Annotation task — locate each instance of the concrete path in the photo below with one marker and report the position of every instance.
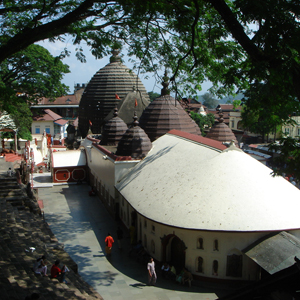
(81, 223)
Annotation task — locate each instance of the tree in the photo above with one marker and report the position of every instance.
(26, 77)
(210, 101)
(238, 45)
(203, 121)
(32, 73)
(153, 95)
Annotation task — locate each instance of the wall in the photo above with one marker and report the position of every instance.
(42, 125)
(153, 236)
(105, 171)
(69, 174)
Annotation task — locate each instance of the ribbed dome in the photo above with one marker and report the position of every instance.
(164, 114)
(99, 96)
(113, 130)
(135, 142)
(134, 100)
(221, 132)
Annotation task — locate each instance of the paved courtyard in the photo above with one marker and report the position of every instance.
(81, 223)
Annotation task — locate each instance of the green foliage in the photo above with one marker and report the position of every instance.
(153, 96)
(26, 77)
(32, 73)
(240, 45)
(203, 121)
(209, 100)
(288, 161)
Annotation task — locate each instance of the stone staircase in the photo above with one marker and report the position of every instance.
(21, 229)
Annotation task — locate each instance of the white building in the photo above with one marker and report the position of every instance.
(51, 123)
(198, 204)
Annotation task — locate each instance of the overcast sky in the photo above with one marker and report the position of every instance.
(83, 72)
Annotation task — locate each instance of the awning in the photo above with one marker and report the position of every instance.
(274, 252)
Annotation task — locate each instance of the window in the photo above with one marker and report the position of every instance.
(199, 267)
(232, 123)
(56, 129)
(153, 228)
(37, 130)
(215, 267)
(298, 132)
(287, 130)
(145, 223)
(47, 129)
(216, 245)
(200, 243)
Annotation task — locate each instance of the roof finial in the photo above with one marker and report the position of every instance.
(135, 121)
(165, 84)
(116, 112)
(115, 56)
(220, 112)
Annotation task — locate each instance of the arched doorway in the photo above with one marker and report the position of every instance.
(176, 251)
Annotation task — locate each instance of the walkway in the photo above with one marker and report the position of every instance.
(81, 223)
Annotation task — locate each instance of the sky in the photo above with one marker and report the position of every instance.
(83, 72)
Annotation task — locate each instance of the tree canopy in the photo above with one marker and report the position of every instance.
(239, 45)
(30, 74)
(203, 122)
(209, 100)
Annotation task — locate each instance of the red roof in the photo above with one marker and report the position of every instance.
(64, 100)
(48, 115)
(200, 139)
(61, 122)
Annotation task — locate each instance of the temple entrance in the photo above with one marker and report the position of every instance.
(174, 251)
(178, 253)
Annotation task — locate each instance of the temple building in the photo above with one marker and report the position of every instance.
(104, 92)
(164, 114)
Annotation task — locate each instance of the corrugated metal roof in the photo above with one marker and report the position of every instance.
(274, 252)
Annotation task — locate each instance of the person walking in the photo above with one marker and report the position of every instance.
(151, 272)
(108, 244)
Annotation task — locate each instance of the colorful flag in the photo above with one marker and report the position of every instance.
(90, 123)
(117, 97)
(135, 103)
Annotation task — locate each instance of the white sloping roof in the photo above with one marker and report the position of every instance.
(70, 158)
(185, 184)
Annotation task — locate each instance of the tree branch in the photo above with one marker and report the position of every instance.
(29, 36)
(237, 30)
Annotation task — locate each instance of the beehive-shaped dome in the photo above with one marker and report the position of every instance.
(135, 142)
(221, 132)
(107, 87)
(113, 130)
(164, 114)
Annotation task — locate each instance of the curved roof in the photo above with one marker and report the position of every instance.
(104, 91)
(164, 114)
(209, 189)
(113, 130)
(134, 142)
(221, 132)
(133, 101)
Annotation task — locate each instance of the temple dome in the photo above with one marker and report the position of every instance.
(221, 132)
(104, 91)
(164, 114)
(113, 130)
(134, 100)
(135, 142)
